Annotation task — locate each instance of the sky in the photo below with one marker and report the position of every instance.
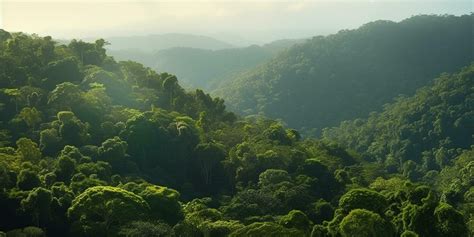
(229, 20)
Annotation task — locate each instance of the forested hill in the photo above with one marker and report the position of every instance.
(94, 147)
(418, 134)
(354, 72)
(205, 68)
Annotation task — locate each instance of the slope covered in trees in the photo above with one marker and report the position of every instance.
(205, 68)
(421, 135)
(354, 72)
(94, 147)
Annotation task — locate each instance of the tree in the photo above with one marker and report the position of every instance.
(148, 229)
(63, 70)
(296, 219)
(65, 168)
(163, 202)
(38, 203)
(363, 199)
(418, 216)
(72, 130)
(449, 222)
(265, 229)
(114, 151)
(65, 96)
(208, 158)
(28, 149)
(15, 94)
(27, 180)
(50, 141)
(170, 85)
(273, 177)
(103, 209)
(361, 222)
(31, 116)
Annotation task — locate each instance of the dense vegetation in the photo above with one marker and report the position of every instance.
(94, 147)
(205, 68)
(354, 72)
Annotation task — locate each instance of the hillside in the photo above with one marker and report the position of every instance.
(352, 73)
(205, 68)
(428, 128)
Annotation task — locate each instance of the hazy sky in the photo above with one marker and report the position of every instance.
(254, 20)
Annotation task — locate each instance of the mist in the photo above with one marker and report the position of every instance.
(239, 23)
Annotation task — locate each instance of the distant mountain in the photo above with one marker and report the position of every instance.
(347, 75)
(153, 43)
(205, 68)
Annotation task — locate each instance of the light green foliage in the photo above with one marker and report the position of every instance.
(319, 231)
(31, 116)
(360, 222)
(273, 177)
(205, 221)
(28, 149)
(80, 182)
(418, 216)
(296, 219)
(113, 151)
(65, 96)
(71, 129)
(164, 203)
(363, 199)
(102, 208)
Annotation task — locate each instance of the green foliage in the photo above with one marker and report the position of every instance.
(204, 68)
(361, 222)
(28, 149)
(65, 168)
(149, 229)
(38, 204)
(329, 79)
(363, 199)
(27, 180)
(296, 219)
(266, 229)
(418, 132)
(101, 209)
(126, 151)
(164, 203)
(31, 116)
(449, 221)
